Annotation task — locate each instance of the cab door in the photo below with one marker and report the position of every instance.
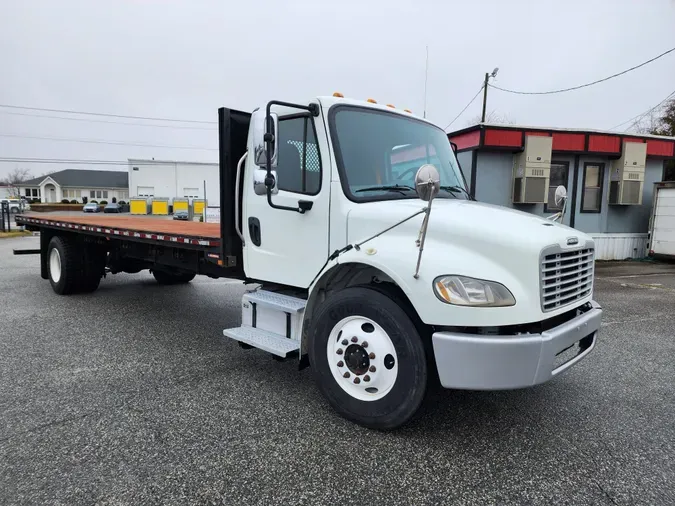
(283, 246)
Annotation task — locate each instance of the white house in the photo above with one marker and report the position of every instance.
(76, 184)
(172, 179)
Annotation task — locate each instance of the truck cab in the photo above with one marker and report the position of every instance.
(376, 288)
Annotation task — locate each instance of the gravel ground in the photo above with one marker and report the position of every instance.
(131, 396)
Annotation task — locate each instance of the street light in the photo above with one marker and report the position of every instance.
(485, 87)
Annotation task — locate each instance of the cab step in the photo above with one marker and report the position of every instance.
(276, 301)
(263, 339)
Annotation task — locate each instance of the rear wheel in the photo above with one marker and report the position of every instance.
(167, 278)
(368, 358)
(63, 268)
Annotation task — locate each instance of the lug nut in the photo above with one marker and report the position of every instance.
(366, 378)
(341, 363)
(365, 344)
(345, 342)
(340, 352)
(371, 356)
(345, 375)
(372, 368)
(357, 381)
(355, 339)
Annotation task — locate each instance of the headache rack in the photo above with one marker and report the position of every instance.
(565, 276)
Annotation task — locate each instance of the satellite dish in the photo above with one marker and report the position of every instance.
(427, 182)
(560, 195)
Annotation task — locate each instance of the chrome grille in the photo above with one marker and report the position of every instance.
(566, 276)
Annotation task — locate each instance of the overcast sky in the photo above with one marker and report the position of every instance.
(185, 58)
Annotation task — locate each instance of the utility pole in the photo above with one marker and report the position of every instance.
(426, 74)
(485, 87)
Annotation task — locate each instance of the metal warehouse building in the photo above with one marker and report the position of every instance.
(610, 177)
(174, 179)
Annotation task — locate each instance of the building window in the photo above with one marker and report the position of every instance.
(191, 193)
(92, 194)
(105, 194)
(298, 161)
(559, 176)
(669, 170)
(591, 198)
(71, 194)
(145, 191)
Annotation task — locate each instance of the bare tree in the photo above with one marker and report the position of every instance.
(494, 117)
(15, 177)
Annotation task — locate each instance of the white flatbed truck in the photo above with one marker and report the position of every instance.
(327, 216)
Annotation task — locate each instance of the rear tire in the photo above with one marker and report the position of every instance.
(62, 261)
(374, 326)
(94, 263)
(166, 278)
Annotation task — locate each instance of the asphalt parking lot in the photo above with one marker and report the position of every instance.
(131, 396)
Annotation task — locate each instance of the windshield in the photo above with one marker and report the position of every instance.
(378, 154)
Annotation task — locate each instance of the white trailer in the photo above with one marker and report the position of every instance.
(662, 222)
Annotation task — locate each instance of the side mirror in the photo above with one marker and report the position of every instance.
(560, 195)
(259, 129)
(259, 187)
(427, 182)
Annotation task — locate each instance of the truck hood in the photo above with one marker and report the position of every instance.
(465, 238)
(454, 220)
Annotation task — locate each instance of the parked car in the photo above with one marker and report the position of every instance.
(113, 207)
(15, 205)
(181, 215)
(91, 208)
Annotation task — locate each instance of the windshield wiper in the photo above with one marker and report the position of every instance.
(391, 188)
(455, 189)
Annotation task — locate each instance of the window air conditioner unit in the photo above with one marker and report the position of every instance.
(628, 175)
(531, 171)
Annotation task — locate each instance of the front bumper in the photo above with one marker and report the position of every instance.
(485, 362)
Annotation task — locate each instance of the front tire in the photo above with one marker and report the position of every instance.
(368, 358)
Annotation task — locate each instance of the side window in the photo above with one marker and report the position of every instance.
(405, 160)
(559, 175)
(591, 198)
(298, 161)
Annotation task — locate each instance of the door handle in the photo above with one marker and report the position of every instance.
(254, 230)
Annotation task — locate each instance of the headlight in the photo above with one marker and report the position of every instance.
(463, 291)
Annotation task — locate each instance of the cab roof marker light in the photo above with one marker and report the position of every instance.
(371, 100)
(408, 111)
(391, 105)
(338, 95)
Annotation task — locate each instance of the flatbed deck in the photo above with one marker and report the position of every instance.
(133, 227)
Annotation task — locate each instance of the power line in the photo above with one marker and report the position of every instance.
(62, 161)
(100, 141)
(90, 120)
(465, 108)
(88, 113)
(642, 115)
(583, 85)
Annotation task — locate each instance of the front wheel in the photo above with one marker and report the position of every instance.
(368, 358)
